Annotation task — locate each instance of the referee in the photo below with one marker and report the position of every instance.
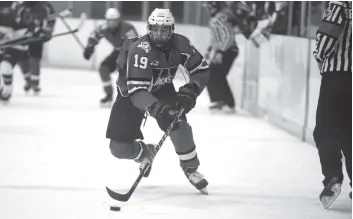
(333, 131)
(224, 51)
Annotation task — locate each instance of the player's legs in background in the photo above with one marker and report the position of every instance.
(218, 87)
(8, 60)
(124, 130)
(6, 69)
(228, 98)
(329, 132)
(346, 122)
(35, 56)
(24, 66)
(106, 68)
(213, 84)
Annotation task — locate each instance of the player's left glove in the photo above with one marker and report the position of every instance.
(45, 36)
(186, 98)
(88, 51)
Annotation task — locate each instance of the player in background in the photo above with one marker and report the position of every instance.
(147, 67)
(11, 28)
(115, 31)
(35, 14)
(333, 130)
(224, 51)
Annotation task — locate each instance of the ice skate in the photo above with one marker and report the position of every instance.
(36, 89)
(106, 101)
(27, 86)
(221, 107)
(228, 110)
(216, 106)
(197, 180)
(330, 192)
(5, 93)
(146, 157)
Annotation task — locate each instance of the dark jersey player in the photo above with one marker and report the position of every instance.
(115, 31)
(147, 67)
(35, 14)
(10, 29)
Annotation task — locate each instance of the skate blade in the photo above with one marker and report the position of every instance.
(327, 201)
(204, 191)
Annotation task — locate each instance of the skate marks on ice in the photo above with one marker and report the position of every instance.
(226, 202)
(170, 201)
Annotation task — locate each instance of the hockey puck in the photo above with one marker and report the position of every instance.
(114, 208)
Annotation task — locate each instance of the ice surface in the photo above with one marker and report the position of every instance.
(55, 163)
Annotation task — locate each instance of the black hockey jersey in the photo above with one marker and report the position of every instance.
(143, 68)
(40, 16)
(9, 28)
(115, 37)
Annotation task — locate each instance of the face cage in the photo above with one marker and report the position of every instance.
(113, 23)
(160, 34)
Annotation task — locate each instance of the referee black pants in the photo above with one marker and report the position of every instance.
(333, 131)
(218, 87)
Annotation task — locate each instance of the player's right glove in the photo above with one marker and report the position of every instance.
(163, 113)
(87, 53)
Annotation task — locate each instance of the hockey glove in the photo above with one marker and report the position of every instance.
(164, 114)
(186, 98)
(44, 37)
(88, 52)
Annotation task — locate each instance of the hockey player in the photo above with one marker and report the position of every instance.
(11, 28)
(35, 14)
(224, 50)
(115, 30)
(147, 67)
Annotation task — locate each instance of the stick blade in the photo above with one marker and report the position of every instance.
(118, 196)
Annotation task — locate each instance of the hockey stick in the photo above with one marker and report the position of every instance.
(63, 13)
(26, 40)
(82, 21)
(83, 16)
(125, 197)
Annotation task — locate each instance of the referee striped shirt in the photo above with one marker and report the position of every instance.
(222, 32)
(334, 38)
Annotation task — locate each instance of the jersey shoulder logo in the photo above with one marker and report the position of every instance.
(145, 46)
